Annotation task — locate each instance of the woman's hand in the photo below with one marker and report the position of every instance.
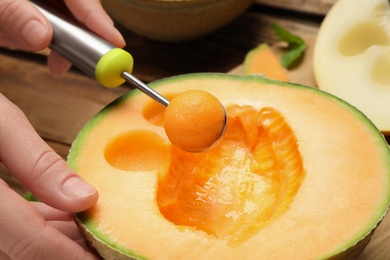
(27, 231)
(35, 230)
(22, 26)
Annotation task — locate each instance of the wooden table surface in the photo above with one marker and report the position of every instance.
(59, 107)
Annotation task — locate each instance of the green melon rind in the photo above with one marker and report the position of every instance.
(106, 247)
(349, 249)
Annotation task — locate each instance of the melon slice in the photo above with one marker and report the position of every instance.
(352, 57)
(299, 173)
(262, 60)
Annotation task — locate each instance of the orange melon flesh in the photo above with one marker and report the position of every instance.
(262, 60)
(298, 169)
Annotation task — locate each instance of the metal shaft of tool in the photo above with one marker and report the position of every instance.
(144, 88)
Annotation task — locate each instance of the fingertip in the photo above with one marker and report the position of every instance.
(75, 188)
(120, 42)
(73, 194)
(36, 35)
(57, 64)
(95, 18)
(26, 26)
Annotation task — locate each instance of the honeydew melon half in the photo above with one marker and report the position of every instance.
(352, 57)
(299, 174)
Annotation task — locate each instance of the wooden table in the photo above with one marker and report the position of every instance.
(59, 107)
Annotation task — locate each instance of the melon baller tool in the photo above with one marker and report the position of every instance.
(109, 65)
(96, 57)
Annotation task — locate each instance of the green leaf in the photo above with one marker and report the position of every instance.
(292, 56)
(296, 46)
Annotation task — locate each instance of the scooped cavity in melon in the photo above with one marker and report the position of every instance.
(298, 173)
(352, 57)
(262, 60)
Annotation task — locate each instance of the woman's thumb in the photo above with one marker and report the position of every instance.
(37, 166)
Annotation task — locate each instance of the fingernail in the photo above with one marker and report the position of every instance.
(34, 33)
(76, 187)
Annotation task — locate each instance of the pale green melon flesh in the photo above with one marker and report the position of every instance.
(352, 56)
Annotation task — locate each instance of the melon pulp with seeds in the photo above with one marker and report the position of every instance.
(299, 173)
(352, 57)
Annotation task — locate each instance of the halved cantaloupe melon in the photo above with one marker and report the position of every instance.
(299, 174)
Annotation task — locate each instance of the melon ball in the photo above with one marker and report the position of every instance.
(194, 120)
